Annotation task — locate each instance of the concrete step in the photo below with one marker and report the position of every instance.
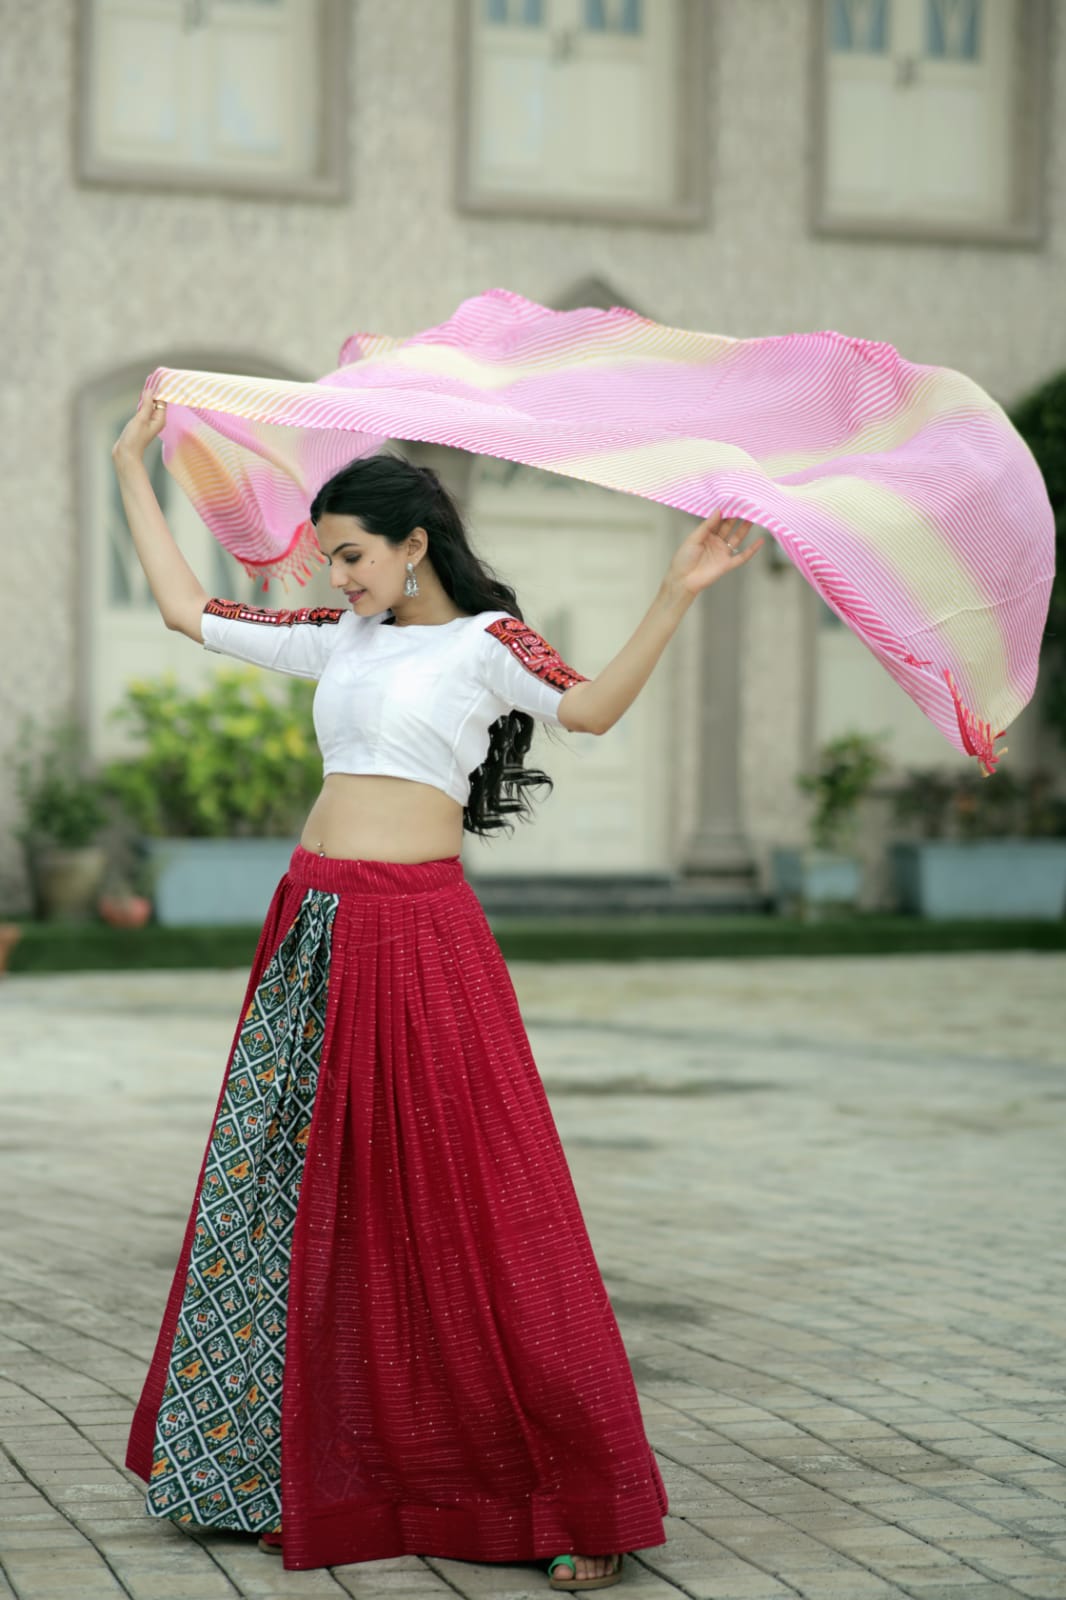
(647, 896)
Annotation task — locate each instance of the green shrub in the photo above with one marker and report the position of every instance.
(227, 760)
(1041, 420)
(967, 805)
(847, 767)
(62, 802)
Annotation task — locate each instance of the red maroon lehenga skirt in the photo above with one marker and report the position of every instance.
(387, 1332)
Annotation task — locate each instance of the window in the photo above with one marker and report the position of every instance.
(235, 95)
(588, 108)
(121, 634)
(929, 118)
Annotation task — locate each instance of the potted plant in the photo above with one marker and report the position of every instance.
(124, 909)
(217, 791)
(125, 898)
(10, 934)
(123, 901)
(826, 875)
(63, 812)
(986, 847)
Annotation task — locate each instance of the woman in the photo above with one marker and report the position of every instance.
(384, 1217)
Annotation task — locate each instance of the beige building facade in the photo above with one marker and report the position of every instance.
(238, 185)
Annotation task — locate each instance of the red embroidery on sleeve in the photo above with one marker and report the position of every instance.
(234, 611)
(534, 652)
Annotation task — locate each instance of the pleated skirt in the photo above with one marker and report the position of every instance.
(387, 1332)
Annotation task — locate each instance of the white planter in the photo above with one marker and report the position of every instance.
(66, 882)
(985, 878)
(215, 882)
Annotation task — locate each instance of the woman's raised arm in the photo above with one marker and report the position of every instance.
(176, 589)
(709, 552)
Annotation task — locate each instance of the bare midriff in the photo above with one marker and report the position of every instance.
(367, 817)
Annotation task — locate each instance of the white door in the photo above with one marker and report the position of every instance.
(585, 564)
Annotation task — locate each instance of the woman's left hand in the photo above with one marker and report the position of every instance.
(704, 556)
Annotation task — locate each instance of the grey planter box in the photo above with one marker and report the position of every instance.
(986, 878)
(215, 881)
(804, 880)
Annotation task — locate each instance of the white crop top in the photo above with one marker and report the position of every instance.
(408, 701)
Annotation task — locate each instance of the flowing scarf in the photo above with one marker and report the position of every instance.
(901, 492)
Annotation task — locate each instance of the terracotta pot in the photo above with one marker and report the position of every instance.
(10, 934)
(124, 910)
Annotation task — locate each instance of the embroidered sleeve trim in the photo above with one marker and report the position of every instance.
(234, 611)
(534, 652)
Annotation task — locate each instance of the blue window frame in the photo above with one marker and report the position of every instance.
(613, 16)
(860, 25)
(953, 29)
(523, 13)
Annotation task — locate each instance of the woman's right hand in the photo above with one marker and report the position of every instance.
(147, 422)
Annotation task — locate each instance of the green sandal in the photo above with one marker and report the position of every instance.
(580, 1584)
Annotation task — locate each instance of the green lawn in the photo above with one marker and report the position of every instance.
(59, 947)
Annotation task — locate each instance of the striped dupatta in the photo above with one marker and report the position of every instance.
(901, 492)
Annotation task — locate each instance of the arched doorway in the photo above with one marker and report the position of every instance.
(585, 564)
(121, 635)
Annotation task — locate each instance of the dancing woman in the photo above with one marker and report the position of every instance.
(387, 1332)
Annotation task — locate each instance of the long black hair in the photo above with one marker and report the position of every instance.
(391, 496)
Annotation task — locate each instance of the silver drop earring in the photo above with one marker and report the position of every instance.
(410, 583)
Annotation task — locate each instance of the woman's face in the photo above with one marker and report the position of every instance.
(364, 565)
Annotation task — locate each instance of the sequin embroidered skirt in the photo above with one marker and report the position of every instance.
(385, 1264)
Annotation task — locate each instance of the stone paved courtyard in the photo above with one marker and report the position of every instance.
(829, 1201)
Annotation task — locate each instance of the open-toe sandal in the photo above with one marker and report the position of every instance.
(579, 1585)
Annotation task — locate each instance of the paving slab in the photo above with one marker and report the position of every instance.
(828, 1198)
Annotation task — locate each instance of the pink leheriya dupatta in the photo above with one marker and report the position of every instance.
(901, 492)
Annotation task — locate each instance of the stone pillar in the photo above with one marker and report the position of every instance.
(717, 849)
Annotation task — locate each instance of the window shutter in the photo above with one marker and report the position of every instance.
(218, 86)
(576, 101)
(917, 116)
